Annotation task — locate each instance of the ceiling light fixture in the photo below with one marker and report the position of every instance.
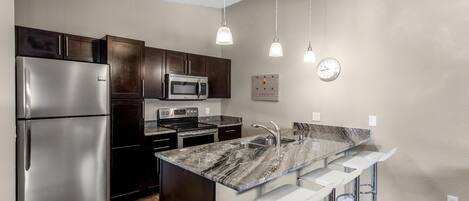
(309, 57)
(224, 36)
(276, 48)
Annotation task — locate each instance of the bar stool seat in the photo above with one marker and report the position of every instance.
(291, 192)
(330, 177)
(377, 156)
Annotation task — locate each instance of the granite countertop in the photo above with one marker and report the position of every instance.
(234, 165)
(222, 121)
(152, 128)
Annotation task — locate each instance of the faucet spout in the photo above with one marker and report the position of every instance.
(275, 133)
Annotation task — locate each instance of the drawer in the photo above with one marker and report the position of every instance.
(229, 133)
(162, 142)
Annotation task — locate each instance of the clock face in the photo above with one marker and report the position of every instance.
(328, 69)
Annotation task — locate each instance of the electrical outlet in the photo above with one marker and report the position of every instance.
(452, 198)
(316, 116)
(372, 120)
(207, 111)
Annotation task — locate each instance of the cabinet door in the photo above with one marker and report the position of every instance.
(175, 63)
(38, 43)
(81, 48)
(127, 122)
(229, 133)
(154, 73)
(219, 75)
(195, 65)
(126, 172)
(126, 59)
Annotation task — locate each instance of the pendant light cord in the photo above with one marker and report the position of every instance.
(224, 12)
(276, 21)
(310, 21)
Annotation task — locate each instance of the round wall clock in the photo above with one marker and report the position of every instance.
(328, 69)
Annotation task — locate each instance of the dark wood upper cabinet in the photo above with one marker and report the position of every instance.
(219, 77)
(154, 73)
(81, 48)
(126, 59)
(195, 65)
(176, 62)
(38, 43)
(127, 122)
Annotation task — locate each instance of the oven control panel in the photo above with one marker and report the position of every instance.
(172, 113)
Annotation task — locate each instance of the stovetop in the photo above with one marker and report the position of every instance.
(187, 126)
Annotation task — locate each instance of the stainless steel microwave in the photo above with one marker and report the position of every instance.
(184, 87)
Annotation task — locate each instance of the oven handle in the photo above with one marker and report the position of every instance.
(196, 135)
(199, 89)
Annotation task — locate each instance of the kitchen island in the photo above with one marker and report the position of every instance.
(241, 169)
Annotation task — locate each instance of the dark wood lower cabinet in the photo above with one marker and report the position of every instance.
(177, 184)
(229, 133)
(126, 173)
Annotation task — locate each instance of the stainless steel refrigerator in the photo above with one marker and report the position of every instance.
(63, 130)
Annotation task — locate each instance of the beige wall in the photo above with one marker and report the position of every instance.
(7, 101)
(160, 24)
(404, 61)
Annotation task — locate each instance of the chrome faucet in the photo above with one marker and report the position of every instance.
(275, 134)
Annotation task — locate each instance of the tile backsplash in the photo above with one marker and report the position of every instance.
(152, 105)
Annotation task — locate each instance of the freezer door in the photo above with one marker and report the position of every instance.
(63, 159)
(56, 88)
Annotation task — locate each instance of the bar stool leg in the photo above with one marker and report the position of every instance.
(374, 182)
(332, 196)
(357, 188)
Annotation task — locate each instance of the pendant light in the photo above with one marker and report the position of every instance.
(276, 48)
(309, 57)
(224, 36)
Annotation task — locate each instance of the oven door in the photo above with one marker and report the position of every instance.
(182, 87)
(194, 138)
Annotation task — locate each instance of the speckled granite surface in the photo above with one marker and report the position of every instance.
(222, 121)
(152, 128)
(234, 164)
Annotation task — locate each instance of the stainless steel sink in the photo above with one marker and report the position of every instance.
(269, 141)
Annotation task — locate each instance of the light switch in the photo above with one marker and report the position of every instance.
(372, 120)
(207, 111)
(316, 116)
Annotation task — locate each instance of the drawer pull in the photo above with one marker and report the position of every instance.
(230, 131)
(162, 140)
(160, 148)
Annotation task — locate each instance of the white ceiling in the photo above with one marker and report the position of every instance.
(206, 3)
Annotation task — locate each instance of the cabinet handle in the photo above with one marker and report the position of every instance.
(143, 88)
(66, 46)
(190, 67)
(230, 131)
(60, 45)
(160, 148)
(164, 88)
(162, 140)
(143, 109)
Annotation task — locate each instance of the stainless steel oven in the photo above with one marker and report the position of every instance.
(184, 87)
(190, 132)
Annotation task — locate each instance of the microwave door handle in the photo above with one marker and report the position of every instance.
(199, 91)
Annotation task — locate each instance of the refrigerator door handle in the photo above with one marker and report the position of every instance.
(27, 93)
(27, 146)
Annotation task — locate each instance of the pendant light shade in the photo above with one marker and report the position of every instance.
(309, 57)
(276, 49)
(224, 36)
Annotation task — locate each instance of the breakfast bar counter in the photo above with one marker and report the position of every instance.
(247, 163)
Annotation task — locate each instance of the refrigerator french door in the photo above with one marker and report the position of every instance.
(63, 132)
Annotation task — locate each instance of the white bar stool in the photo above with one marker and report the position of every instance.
(291, 192)
(362, 161)
(376, 157)
(330, 177)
